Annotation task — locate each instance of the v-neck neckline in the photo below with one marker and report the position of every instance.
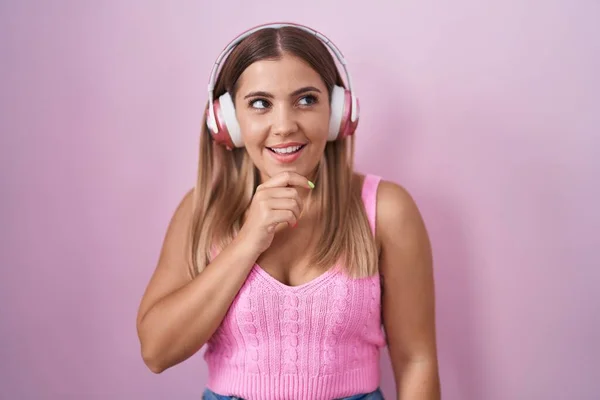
(307, 286)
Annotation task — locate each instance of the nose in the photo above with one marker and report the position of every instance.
(284, 121)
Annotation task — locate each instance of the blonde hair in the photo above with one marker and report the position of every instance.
(227, 180)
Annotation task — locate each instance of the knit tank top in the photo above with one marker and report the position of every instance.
(319, 340)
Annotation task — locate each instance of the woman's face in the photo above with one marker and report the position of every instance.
(283, 110)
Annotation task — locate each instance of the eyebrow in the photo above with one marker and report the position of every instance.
(294, 93)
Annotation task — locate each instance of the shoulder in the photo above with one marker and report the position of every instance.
(398, 214)
(183, 211)
(180, 222)
(394, 202)
(186, 203)
(396, 211)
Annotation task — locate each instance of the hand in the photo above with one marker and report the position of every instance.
(275, 205)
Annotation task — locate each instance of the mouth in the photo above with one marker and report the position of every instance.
(286, 154)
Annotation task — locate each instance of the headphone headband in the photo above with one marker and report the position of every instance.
(243, 35)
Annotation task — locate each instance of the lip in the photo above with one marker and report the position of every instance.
(286, 158)
(289, 144)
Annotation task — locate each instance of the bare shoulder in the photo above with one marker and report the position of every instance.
(399, 220)
(396, 207)
(394, 204)
(183, 213)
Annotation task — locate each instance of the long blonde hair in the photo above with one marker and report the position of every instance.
(226, 180)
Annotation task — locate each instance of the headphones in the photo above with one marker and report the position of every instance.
(221, 119)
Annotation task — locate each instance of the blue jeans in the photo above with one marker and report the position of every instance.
(376, 395)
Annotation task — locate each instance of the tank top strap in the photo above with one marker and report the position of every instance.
(369, 197)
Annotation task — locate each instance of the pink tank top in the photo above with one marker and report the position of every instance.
(319, 340)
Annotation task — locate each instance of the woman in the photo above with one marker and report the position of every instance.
(292, 268)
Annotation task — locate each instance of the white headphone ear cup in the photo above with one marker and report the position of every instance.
(210, 120)
(355, 110)
(230, 119)
(337, 112)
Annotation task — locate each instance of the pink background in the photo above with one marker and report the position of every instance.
(488, 112)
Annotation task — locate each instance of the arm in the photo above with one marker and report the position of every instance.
(408, 294)
(177, 314)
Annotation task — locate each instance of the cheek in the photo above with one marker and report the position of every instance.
(318, 129)
(253, 129)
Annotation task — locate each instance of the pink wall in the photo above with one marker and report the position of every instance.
(486, 111)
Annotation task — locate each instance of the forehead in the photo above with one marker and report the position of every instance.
(284, 74)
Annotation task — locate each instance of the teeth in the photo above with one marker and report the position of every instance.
(287, 150)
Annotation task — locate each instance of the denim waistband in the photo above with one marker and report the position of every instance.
(375, 395)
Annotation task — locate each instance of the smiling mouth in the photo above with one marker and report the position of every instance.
(286, 150)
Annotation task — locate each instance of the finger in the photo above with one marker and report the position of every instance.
(276, 227)
(286, 204)
(283, 193)
(282, 216)
(287, 178)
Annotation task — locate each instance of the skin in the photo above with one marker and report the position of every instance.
(274, 106)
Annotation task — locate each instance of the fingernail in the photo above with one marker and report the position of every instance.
(312, 185)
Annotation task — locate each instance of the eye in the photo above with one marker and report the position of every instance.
(259, 104)
(308, 100)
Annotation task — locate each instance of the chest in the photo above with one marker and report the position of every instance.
(288, 258)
